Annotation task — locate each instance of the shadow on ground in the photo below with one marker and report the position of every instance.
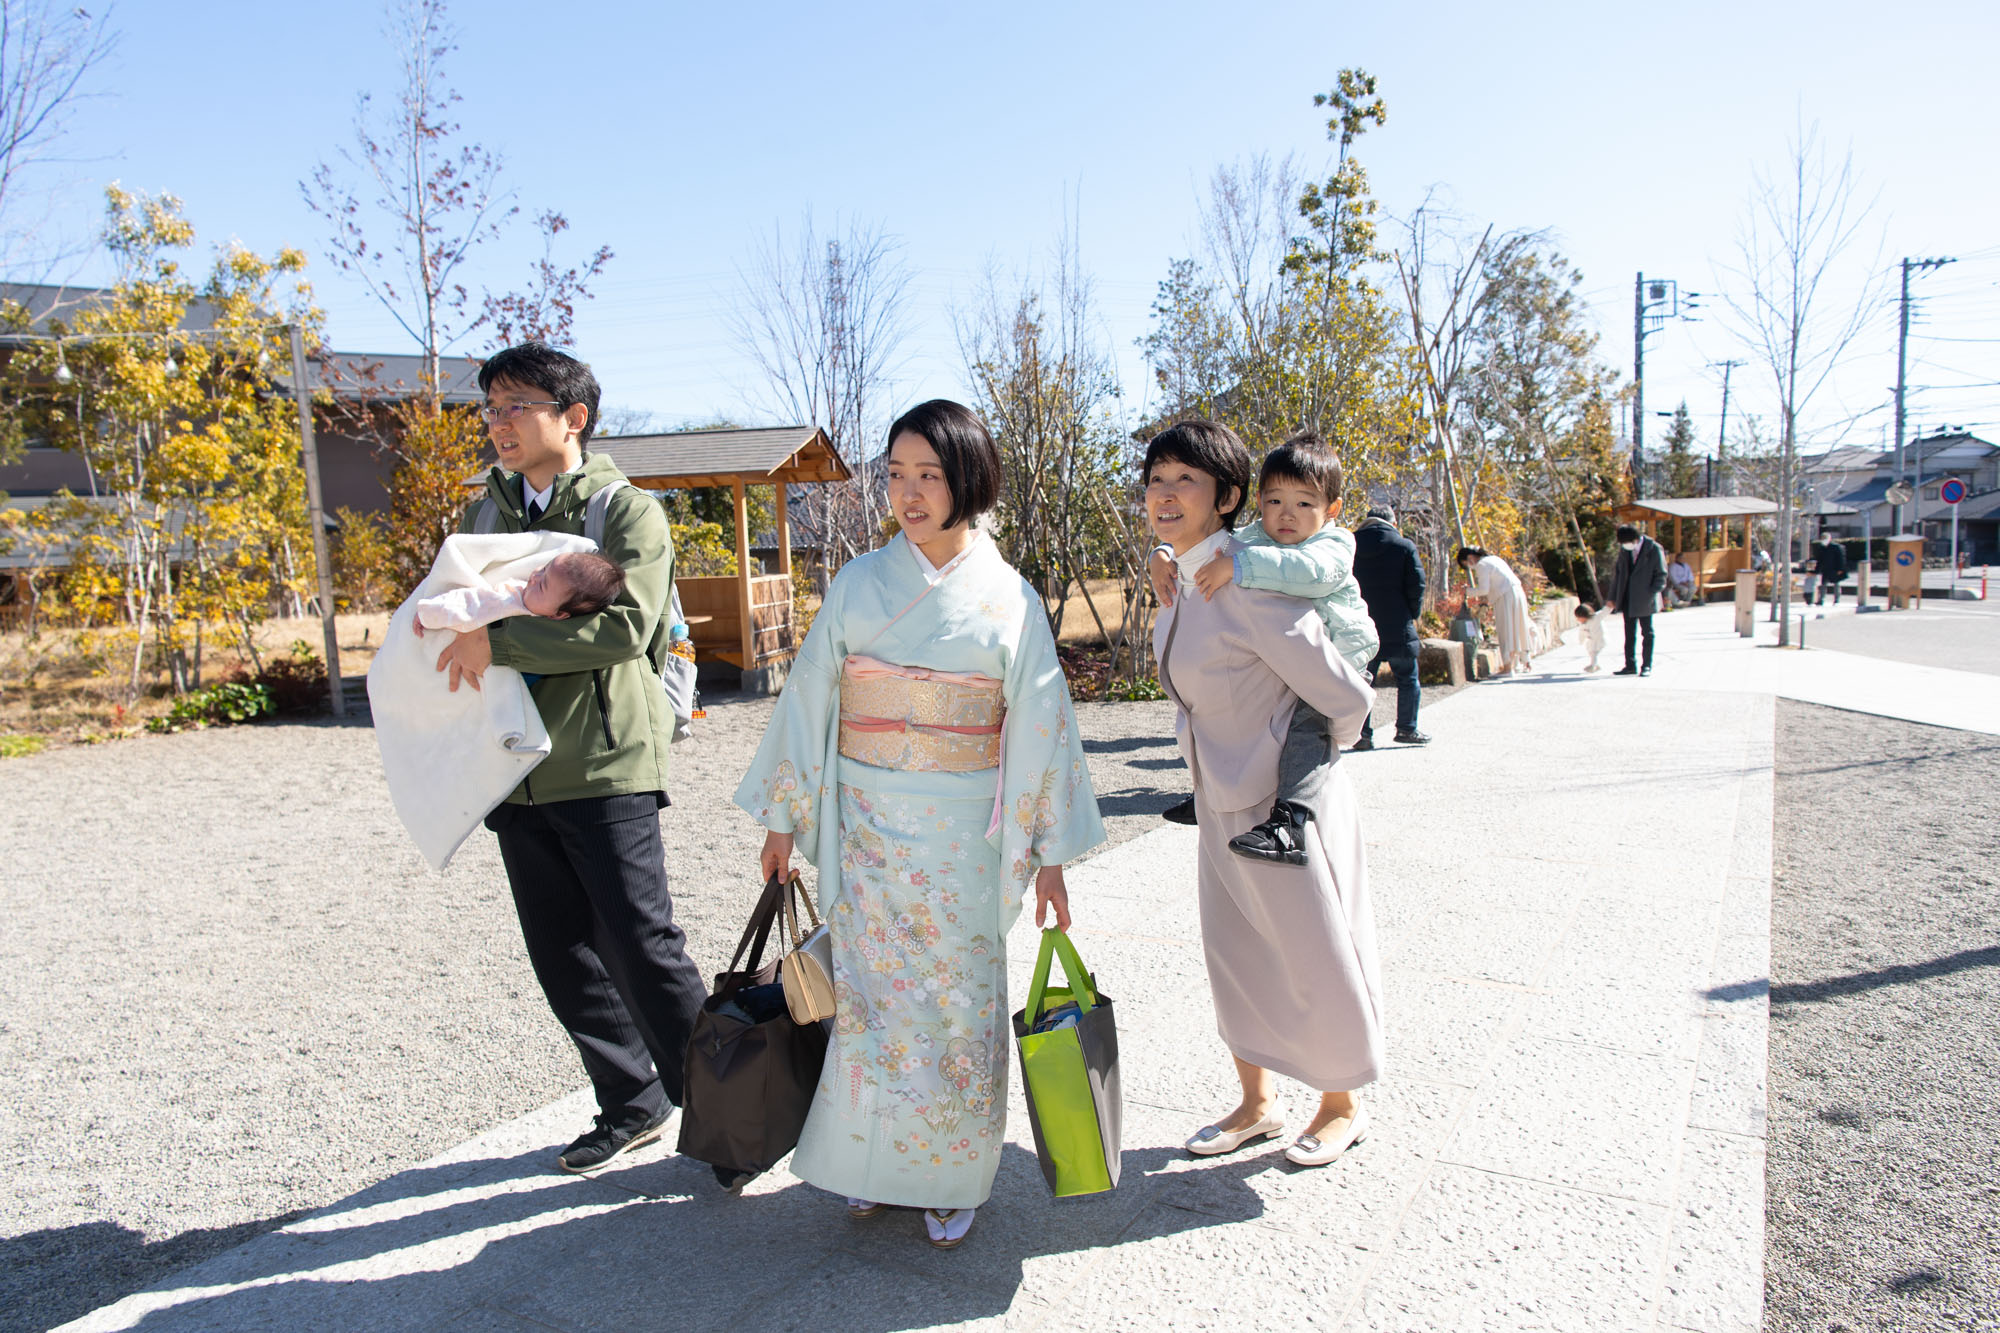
(57, 1274)
(503, 1242)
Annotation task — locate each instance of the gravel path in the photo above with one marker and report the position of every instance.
(1884, 1170)
(231, 992)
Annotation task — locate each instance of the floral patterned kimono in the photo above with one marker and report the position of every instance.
(924, 856)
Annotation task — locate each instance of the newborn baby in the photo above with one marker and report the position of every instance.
(576, 583)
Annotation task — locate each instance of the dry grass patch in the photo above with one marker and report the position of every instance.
(1079, 627)
(69, 686)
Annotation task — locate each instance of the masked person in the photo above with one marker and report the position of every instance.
(1636, 585)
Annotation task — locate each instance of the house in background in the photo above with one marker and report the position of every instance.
(350, 430)
(1944, 455)
(1836, 473)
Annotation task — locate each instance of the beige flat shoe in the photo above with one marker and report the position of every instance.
(1313, 1151)
(864, 1208)
(1213, 1140)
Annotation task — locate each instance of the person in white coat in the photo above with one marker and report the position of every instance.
(1494, 583)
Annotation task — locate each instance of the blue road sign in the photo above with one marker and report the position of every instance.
(1952, 491)
(1905, 558)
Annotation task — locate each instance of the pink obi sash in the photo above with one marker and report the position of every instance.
(917, 720)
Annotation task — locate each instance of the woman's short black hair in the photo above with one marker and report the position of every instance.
(1306, 459)
(1469, 553)
(538, 366)
(965, 448)
(1206, 446)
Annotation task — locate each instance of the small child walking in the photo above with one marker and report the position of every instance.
(1592, 623)
(1298, 550)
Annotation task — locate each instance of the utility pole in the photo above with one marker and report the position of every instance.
(1902, 356)
(316, 509)
(1638, 386)
(1722, 432)
(1663, 292)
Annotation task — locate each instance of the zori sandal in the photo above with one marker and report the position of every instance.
(947, 1226)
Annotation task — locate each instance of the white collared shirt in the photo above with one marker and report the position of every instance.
(531, 496)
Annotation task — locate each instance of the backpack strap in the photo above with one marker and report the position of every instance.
(486, 517)
(595, 509)
(595, 512)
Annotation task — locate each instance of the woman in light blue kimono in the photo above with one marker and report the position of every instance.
(924, 757)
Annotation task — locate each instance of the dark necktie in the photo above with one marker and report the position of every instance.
(534, 511)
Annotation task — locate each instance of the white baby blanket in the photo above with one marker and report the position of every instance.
(451, 757)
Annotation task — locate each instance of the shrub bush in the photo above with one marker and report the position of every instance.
(216, 706)
(296, 684)
(702, 550)
(1144, 690)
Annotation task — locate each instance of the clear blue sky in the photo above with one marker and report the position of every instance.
(673, 133)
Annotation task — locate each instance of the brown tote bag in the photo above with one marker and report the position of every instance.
(751, 1069)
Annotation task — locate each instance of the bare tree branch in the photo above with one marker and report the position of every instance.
(440, 199)
(825, 320)
(546, 310)
(1795, 239)
(47, 50)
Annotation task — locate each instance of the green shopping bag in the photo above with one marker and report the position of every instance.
(1069, 1068)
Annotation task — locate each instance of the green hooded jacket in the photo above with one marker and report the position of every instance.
(599, 694)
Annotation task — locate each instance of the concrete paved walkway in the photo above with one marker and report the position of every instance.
(1573, 888)
(1699, 650)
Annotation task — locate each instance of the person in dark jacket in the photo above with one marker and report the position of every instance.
(1392, 584)
(1832, 571)
(1636, 585)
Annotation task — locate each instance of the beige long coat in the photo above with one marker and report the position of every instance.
(1290, 949)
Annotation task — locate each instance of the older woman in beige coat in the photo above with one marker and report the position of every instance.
(1290, 949)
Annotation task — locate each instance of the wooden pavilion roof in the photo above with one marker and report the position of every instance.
(1696, 506)
(762, 457)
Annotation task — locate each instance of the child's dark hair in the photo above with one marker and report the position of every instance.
(1306, 459)
(1584, 610)
(594, 582)
(536, 365)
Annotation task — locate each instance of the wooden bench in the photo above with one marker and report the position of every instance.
(1714, 571)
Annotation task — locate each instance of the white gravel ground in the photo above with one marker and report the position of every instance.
(1883, 1174)
(231, 992)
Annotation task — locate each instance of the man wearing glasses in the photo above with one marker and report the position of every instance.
(581, 836)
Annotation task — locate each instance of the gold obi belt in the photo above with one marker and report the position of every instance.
(919, 721)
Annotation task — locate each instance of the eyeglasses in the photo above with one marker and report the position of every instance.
(509, 411)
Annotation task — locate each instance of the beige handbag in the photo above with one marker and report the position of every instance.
(808, 969)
